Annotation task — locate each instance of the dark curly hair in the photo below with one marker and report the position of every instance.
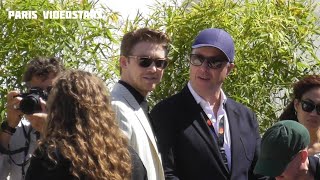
(42, 67)
(299, 89)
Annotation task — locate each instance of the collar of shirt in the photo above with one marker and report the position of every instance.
(139, 98)
(221, 112)
(207, 108)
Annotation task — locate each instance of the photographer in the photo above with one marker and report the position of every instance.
(24, 123)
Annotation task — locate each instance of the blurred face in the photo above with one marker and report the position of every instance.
(41, 82)
(306, 109)
(296, 169)
(143, 69)
(210, 75)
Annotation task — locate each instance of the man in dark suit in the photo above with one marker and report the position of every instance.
(202, 134)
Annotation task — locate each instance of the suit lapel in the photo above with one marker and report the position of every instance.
(146, 126)
(141, 116)
(233, 118)
(204, 131)
(202, 128)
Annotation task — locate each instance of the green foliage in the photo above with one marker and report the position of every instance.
(274, 43)
(80, 43)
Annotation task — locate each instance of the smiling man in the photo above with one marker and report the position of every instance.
(203, 134)
(143, 58)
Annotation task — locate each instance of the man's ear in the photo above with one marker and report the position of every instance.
(303, 155)
(230, 67)
(123, 62)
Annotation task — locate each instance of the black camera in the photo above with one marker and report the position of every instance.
(30, 102)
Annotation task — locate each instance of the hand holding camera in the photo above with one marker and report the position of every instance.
(31, 104)
(13, 113)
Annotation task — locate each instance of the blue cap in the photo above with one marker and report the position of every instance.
(217, 38)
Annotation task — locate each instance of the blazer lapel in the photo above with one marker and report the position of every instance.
(141, 116)
(233, 118)
(200, 125)
(146, 125)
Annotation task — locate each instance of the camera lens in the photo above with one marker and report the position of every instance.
(30, 104)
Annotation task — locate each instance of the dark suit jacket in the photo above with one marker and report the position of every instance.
(190, 151)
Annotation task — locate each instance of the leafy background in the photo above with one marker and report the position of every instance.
(274, 39)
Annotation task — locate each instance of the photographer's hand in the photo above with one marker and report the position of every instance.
(14, 115)
(38, 120)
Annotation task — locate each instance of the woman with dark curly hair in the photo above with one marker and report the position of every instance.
(305, 108)
(82, 139)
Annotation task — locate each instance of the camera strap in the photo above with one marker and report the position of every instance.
(24, 149)
(8, 152)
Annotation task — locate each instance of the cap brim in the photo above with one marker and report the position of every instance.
(204, 45)
(272, 168)
(210, 45)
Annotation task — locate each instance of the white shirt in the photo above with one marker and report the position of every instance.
(208, 109)
(8, 170)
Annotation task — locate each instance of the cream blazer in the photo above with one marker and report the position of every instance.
(135, 125)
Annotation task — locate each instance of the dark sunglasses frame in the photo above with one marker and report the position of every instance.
(146, 61)
(48, 89)
(214, 62)
(309, 106)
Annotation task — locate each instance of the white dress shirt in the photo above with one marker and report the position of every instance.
(208, 109)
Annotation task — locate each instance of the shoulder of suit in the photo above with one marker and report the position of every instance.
(236, 105)
(169, 101)
(314, 165)
(121, 104)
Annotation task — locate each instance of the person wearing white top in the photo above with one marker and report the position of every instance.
(23, 125)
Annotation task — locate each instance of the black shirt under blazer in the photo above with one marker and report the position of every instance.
(188, 148)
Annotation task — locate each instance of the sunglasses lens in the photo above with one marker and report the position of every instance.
(145, 62)
(318, 110)
(215, 64)
(307, 106)
(161, 64)
(196, 59)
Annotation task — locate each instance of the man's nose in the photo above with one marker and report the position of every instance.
(205, 64)
(152, 67)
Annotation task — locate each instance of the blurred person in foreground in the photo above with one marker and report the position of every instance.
(25, 121)
(284, 153)
(82, 139)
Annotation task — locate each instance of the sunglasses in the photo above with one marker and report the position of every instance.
(48, 89)
(214, 62)
(308, 106)
(145, 62)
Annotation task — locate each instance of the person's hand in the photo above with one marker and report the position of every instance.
(38, 119)
(13, 113)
